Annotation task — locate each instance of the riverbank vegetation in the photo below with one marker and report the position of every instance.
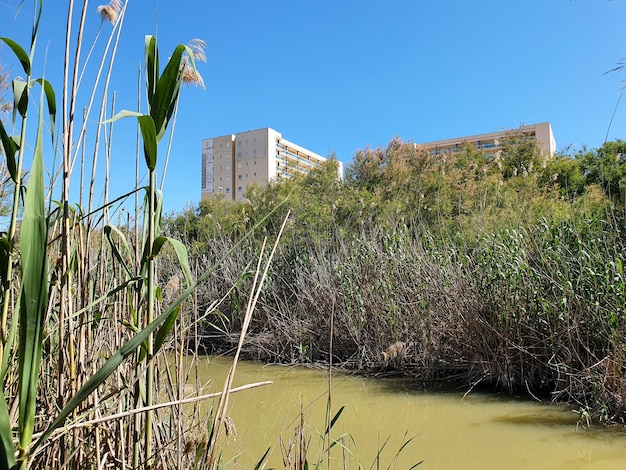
(91, 342)
(460, 268)
(501, 271)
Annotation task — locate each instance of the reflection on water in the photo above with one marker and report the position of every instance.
(478, 432)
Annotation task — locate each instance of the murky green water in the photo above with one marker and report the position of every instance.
(478, 432)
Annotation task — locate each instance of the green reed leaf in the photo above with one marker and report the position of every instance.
(152, 66)
(20, 98)
(7, 452)
(148, 133)
(161, 335)
(33, 39)
(123, 114)
(10, 149)
(334, 420)
(5, 249)
(181, 253)
(259, 464)
(19, 52)
(34, 293)
(51, 101)
(163, 101)
(8, 345)
(108, 231)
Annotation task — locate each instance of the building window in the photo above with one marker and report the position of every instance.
(239, 165)
(227, 190)
(239, 177)
(239, 188)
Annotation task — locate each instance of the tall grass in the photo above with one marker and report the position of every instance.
(89, 327)
(535, 308)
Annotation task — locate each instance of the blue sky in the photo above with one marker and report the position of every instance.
(337, 76)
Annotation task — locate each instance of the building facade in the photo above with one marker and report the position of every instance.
(542, 133)
(232, 162)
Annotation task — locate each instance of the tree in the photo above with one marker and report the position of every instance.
(564, 174)
(519, 154)
(607, 168)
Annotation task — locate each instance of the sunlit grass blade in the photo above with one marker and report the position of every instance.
(33, 296)
(10, 149)
(148, 133)
(152, 66)
(20, 98)
(181, 254)
(166, 89)
(51, 100)
(334, 420)
(261, 461)
(109, 230)
(7, 452)
(19, 52)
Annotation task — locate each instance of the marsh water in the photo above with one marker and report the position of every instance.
(449, 431)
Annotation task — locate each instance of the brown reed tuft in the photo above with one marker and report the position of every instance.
(191, 76)
(111, 11)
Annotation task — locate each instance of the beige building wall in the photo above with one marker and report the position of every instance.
(217, 165)
(231, 163)
(252, 152)
(490, 142)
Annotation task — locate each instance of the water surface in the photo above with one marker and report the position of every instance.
(480, 431)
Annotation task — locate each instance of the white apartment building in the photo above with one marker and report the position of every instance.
(232, 162)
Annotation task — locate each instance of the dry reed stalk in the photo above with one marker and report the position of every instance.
(159, 406)
(209, 459)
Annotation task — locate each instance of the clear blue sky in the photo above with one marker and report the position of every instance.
(340, 75)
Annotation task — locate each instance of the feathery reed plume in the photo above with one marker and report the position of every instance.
(190, 74)
(111, 11)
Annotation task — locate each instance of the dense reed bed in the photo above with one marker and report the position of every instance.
(472, 278)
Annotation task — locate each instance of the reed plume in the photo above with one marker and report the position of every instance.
(111, 11)
(190, 74)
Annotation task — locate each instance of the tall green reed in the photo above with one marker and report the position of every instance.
(31, 311)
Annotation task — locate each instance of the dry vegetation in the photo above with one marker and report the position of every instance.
(511, 280)
(92, 343)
